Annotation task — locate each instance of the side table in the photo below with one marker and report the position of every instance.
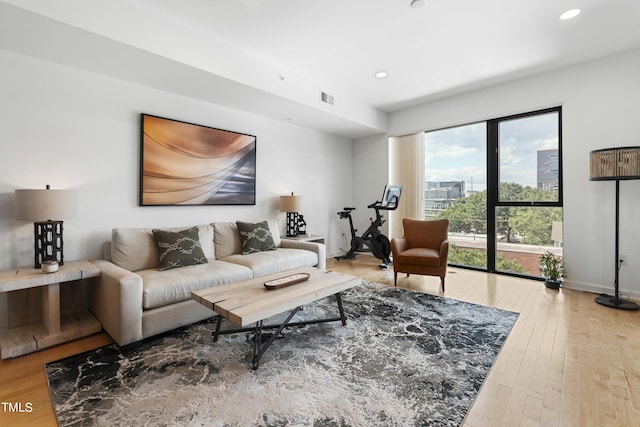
(318, 238)
(50, 327)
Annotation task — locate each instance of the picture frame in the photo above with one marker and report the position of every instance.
(186, 164)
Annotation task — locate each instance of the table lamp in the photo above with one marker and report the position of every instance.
(41, 206)
(291, 205)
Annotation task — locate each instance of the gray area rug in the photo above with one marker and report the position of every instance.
(403, 359)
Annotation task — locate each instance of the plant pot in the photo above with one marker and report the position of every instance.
(552, 284)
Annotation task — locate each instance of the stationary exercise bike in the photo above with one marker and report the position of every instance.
(373, 238)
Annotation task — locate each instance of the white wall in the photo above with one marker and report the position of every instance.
(76, 130)
(369, 178)
(601, 108)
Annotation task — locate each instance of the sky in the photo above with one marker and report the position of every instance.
(459, 153)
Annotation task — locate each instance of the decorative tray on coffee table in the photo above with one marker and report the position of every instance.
(281, 282)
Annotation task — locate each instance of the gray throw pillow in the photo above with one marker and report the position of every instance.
(179, 249)
(255, 237)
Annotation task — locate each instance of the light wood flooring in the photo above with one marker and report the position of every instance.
(567, 362)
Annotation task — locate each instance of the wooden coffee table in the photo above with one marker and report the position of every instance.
(248, 302)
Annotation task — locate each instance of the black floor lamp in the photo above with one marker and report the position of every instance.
(616, 164)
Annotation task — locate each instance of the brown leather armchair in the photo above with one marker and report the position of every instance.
(422, 250)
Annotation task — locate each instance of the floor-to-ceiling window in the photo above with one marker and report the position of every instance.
(456, 188)
(499, 183)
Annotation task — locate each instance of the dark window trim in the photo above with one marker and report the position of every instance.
(493, 182)
(492, 146)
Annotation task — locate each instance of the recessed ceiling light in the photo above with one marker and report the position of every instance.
(381, 74)
(418, 4)
(570, 14)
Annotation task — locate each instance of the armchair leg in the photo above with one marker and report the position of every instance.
(395, 278)
(442, 283)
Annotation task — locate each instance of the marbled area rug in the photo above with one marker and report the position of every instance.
(404, 359)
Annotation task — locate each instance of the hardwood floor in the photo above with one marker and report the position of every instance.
(23, 381)
(567, 362)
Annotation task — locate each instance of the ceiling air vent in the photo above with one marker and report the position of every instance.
(326, 98)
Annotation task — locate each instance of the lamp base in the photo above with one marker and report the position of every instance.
(613, 302)
(292, 224)
(48, 242)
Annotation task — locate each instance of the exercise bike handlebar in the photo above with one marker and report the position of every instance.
(377, 205)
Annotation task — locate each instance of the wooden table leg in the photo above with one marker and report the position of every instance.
(51, 308)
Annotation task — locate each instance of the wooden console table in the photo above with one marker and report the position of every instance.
(318, 238)
(30, 329)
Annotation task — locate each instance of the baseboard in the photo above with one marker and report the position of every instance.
(567, 284)
(595, 289)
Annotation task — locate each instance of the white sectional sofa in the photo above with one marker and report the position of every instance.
(133, 300)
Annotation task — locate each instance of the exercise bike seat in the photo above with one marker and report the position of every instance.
(349, 209)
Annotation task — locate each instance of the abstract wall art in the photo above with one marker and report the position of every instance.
(187, 164)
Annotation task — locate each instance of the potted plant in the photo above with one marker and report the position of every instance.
(552, 268)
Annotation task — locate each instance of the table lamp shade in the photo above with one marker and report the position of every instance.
(290, 203)
(47, 208)
(41, 205)
(615, 163)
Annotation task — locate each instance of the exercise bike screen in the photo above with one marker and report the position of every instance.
(391, 196)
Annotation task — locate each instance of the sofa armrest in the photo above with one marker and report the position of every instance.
(319, 248)
(116, 301)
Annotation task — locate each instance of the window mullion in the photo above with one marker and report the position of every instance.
(492, 192)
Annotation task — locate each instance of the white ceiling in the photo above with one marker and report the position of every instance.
(286, 51)
(427, 52)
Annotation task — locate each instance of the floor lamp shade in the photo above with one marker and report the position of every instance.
(291, 205)
(47, 208)
(615, 164)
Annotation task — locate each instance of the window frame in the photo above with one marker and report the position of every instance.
(493, 182)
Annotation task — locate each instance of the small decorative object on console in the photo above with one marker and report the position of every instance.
(286, 281)
(49, 266)
(302, 225)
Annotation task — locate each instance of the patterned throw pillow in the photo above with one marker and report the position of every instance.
(179, 249)
(255, 237)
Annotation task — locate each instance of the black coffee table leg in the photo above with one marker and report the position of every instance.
(343, 317)
(257, 351)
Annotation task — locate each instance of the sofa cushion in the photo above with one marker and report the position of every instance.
(162, 288)
(227, 237)
(135, 248)
(275, 232)
(179, 248)
(255, 237)
(269, 262)
(420, 256)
